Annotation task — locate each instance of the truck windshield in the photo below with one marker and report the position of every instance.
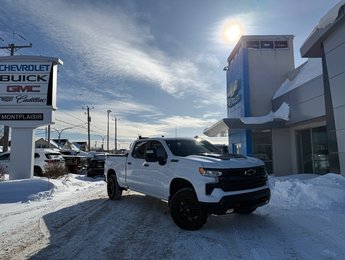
(185, 147)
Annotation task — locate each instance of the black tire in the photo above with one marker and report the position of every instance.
(113, 188)
(38, 171)
(245, 211)
(186, 210)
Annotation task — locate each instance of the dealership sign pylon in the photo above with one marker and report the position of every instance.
(27, 100)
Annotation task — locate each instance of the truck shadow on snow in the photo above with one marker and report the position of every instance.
(136, 226)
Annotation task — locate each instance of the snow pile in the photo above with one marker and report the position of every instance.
(282, 113)
(300, 191)
(331, 16)
(37, 189)
(308, 191)
(306, 72)
(23, 191)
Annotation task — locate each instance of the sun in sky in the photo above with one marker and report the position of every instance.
(231, 31)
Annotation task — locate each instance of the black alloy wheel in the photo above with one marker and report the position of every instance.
(186, 210)
(113, 188)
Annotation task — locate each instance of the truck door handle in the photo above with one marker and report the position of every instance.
(129, 163)
(146, 165)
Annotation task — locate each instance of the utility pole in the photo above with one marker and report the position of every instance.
(88, 129)
(12, 48)
(88, 126)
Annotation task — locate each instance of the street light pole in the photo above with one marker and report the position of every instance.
(61, 130)
(115, 119)
(108, 111)
(59, 135)
(102, 137)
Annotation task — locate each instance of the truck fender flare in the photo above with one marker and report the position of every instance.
(111, 172)
(178, 184)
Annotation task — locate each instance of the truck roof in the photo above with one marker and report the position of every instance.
(165, 138)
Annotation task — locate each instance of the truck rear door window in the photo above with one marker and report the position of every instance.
(139, 150)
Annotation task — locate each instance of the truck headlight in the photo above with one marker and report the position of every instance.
(209, 173)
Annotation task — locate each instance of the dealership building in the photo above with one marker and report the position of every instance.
(291, 118)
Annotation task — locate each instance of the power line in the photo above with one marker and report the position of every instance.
(12, 47)
(68, 123)
(94, 126)
(97, 133)
(59, 120)
(71, 115)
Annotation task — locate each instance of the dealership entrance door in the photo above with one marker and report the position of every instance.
(262, 147)
(312, 145)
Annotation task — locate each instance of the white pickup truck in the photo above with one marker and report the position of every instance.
(192, 176)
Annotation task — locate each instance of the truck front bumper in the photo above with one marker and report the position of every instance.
(246, 200)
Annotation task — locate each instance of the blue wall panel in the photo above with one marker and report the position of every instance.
(239, 71)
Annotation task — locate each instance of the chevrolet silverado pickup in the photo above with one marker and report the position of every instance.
(192, 175)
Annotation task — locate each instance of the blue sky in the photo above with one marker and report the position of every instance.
(156, 64)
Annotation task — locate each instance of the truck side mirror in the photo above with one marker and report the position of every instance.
(151, 155)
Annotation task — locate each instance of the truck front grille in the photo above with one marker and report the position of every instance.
(239, 179)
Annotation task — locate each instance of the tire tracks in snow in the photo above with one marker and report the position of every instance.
(141, 236)
(26, 237)
(87, 225)
(123, 229)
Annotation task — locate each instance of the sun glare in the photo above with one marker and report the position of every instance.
(231, 32)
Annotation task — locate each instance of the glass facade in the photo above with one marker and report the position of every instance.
(262, 147)
(312, 147)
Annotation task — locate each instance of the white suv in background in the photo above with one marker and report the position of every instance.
(41, 158)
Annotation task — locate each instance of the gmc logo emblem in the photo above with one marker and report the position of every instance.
(20, 89)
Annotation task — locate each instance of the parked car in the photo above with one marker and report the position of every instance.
(95, 165)
(75, 161)
(41, 158)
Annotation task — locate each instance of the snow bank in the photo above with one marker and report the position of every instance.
(12, 191)
(24, 190)
(308, 191)
(307, 71)
(282, 113)
(330, 17)
(301, 191)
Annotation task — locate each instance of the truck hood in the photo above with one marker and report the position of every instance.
(225, 160)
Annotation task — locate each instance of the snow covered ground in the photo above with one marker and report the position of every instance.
(72, 218)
